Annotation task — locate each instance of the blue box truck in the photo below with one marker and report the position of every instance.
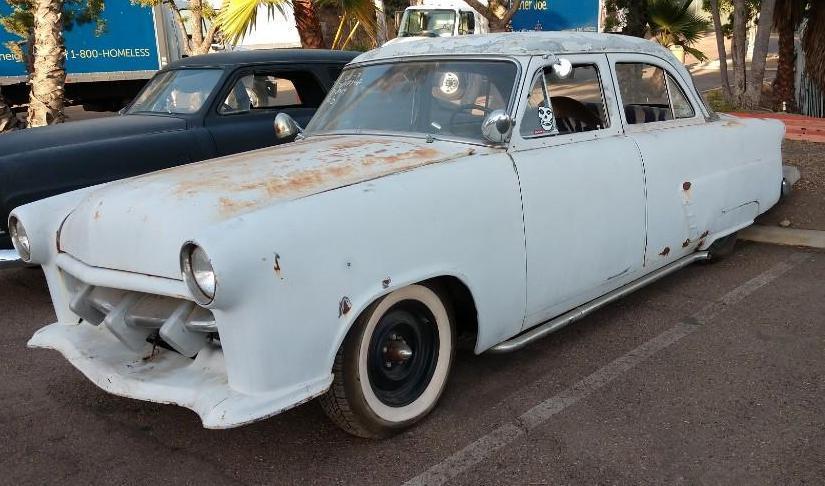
(106, 68)
(577, 15)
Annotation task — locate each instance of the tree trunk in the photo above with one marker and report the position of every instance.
(49, 74)
(309, 28)
(636, 22)
(813, 42)
(783, 84)
(381, 35)
(760, 54)
(196, 10)
(496, 23)
(720, 47)
(740, 48)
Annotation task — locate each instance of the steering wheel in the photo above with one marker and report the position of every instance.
(467, 108)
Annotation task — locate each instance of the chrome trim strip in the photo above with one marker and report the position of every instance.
(569, 317)
(10, 259)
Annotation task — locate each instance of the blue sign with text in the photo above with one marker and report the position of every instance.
(127, 43)
(580, 15)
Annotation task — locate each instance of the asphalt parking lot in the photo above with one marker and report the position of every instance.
(713, 375)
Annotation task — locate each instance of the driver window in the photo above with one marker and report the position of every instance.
(260, 91)
(576, 103)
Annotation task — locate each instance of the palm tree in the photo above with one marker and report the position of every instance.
(673, 24)
(309, 27)
(812, 43)
(787, 17)
(237, 18)
(49, 71)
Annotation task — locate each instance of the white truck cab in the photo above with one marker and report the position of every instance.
(441, 19)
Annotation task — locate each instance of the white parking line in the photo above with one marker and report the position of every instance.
(485, 446)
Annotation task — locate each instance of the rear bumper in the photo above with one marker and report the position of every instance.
(10, 259)
(199, 384)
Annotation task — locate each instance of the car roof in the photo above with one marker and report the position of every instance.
(262, 56)
(515, 44)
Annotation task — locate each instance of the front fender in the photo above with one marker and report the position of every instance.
(294, 276)
(42, 220)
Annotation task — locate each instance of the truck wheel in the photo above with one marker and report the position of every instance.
(722, 248)
(393, 365)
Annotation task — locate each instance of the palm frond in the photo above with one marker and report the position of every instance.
(699, 55)
(362, 11)
(671, 22)
(237, 18)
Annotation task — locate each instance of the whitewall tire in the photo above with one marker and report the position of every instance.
(393, 365)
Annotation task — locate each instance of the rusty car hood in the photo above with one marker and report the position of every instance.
(139, 224)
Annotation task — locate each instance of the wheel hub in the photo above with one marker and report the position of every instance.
(403, 353)
(397, 351)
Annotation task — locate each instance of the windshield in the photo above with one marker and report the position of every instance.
(178, 91)
(430, 23)
(449, 98)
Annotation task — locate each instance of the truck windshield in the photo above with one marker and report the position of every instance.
(438, 98)
(427, 23)
(180, 91)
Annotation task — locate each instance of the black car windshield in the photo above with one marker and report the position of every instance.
(439, 98)
(427, 23)
(180, 91)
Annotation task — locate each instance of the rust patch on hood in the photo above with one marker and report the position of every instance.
(230, 206)
(251, 180)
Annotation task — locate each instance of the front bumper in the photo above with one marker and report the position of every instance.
(165, 376)
(10, 259)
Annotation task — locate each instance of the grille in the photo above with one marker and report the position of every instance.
(138, 318)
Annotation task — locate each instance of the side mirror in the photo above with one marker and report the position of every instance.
(286, 128)
(497, 126)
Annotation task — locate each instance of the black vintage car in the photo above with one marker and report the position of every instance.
(194, 109)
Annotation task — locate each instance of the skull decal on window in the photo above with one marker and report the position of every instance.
(548, 122)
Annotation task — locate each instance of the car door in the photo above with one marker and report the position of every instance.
(688, 188)
(245, 111)
(582, 187)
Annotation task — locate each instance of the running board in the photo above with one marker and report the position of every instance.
(574, 315)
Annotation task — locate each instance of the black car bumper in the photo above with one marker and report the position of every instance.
(8, 255)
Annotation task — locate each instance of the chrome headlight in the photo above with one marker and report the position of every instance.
(20, 239)
(198, 273)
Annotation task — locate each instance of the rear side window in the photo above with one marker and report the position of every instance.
(561, 106)
(650, 95)
(269, 90)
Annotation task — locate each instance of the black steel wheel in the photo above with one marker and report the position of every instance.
(393, 366)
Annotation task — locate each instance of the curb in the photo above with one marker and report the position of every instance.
(784, 236)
